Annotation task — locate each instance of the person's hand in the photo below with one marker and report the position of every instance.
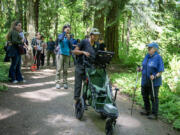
(44, 45)
(152, 77)
(35, 47)
(138, 69)
(86, 54)
(68, 36)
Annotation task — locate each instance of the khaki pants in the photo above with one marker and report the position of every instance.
(49, 54)
(62, 65)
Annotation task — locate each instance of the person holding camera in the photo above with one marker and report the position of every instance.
(62, 57)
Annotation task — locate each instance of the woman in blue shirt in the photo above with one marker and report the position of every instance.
(152, 68)
(62, 57)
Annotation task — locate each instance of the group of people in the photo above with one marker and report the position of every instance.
(66, 46)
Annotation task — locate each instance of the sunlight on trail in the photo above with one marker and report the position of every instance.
(5, 113)
(34, 132)
(42, 95)
(128, 121)
(33, 85)
(60, 120)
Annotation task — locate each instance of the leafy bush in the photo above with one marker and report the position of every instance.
(3, 75)
(3, 87)
(4, 68)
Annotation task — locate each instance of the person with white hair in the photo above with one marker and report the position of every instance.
(152, 68)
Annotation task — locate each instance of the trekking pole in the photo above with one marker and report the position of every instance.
(134, 92)
(152, 89)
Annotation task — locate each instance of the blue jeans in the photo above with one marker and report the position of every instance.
(15, 68)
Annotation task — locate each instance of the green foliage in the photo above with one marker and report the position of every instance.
(176, 124)
(3, 87)
(4, 68)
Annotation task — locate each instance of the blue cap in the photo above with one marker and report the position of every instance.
(154, 45)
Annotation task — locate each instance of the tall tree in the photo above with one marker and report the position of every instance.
(99, 21)
(36, 11)
(112, 26)
(24, 15)
(128, 32)
(30, 19)
(19, 10)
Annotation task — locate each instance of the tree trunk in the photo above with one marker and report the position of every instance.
(56, 26)
(161, 9)
(112, 31)
(30, 20)
(36, 11)
(71, 17)
(24, 16)
(19, 10)
(123, 31)
(112, 28)
(128, 33)
(99, 21)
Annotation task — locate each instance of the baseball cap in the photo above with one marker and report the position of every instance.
(95, 31)
(154, 45)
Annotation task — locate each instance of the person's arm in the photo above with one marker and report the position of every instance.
(160, 69)
(15, 38)
(78, 50)
(61, 36)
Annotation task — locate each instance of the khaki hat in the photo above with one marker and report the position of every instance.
(94, 31)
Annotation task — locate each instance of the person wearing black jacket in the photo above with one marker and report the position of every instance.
(50, 50)
(87, 47)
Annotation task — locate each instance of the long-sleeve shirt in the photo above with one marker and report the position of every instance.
(64, 44)
(15, 38)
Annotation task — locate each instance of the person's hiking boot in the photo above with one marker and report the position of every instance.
(58, 86)
(23, 81)
(15, 82)
(65, 86)
(146, 113)
(153, 117)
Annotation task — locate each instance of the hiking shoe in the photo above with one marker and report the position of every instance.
(15, 82)
(58, 86)
(145, 113)
(65, 86)
(23, 81)
(152, 117)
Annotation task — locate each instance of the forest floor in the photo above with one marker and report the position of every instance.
(38, 108)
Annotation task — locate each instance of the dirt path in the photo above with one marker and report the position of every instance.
(37, 108)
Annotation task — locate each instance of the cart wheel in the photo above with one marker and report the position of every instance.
(109, 127)
(79, 108)
(103, 116)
